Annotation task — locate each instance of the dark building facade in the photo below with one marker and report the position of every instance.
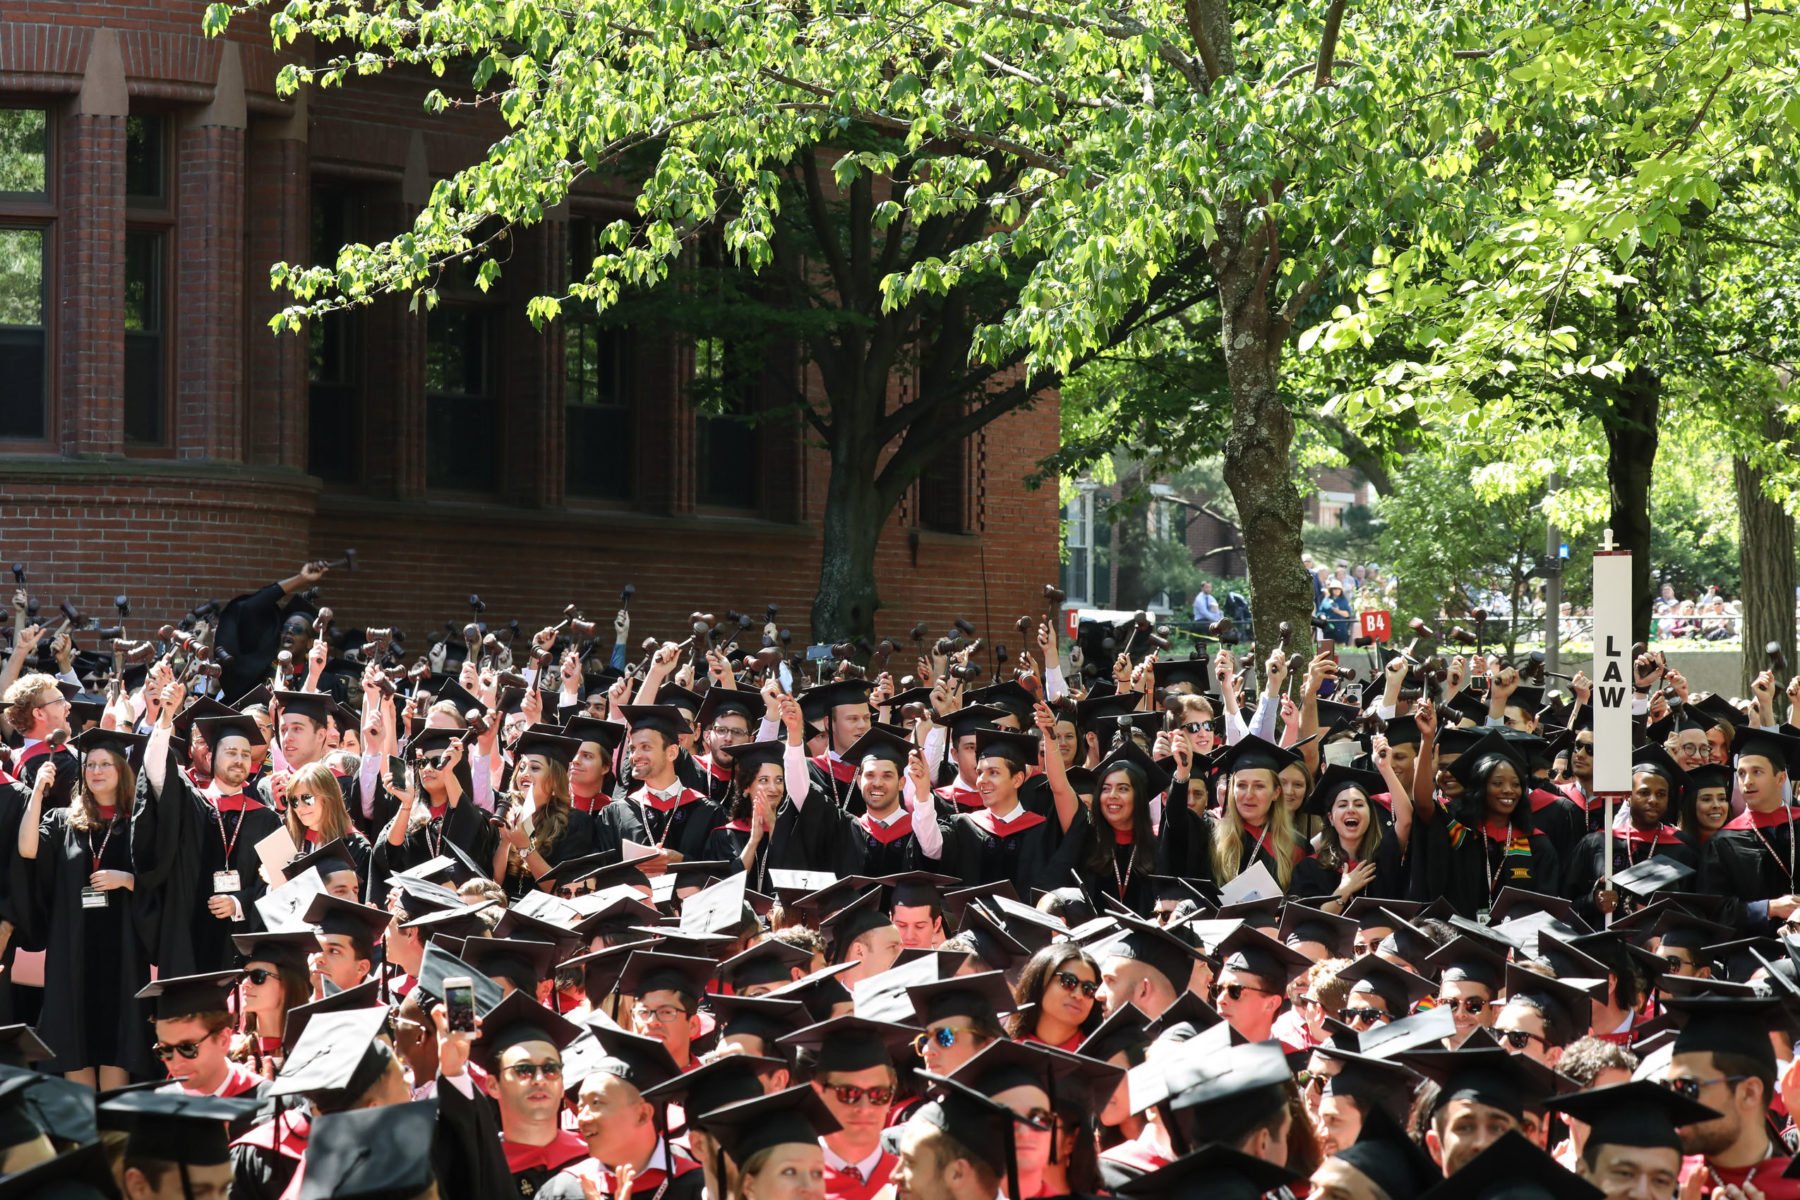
(157, 439)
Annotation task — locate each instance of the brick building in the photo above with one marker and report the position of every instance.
(156, 439)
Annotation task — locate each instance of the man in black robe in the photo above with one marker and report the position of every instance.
(1002, 839)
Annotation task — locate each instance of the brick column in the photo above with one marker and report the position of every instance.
(394, 354)
(278, 229)
(90, 264)
(209, 267)
(531, 384)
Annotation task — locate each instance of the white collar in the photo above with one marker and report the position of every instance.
(1007, 817)
(864, 1169)
(889, 822)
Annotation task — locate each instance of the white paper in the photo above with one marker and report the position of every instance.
(281, 908)
(1254, 884)
(276, 851)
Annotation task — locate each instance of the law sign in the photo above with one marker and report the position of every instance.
(1378, 625)
(1613, 692)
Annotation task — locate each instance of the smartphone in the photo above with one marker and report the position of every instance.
(459, 1003)
(1329, 646)
(397, 770)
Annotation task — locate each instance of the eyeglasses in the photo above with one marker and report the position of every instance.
(1071, 982)
(848, 1093)
(530, 1072)
(1360, 948)
(945, 1037)
(667, 1014)
(305, 798)
(259, 975)
(1040, 1118)
(1236, 990)
(433, 762)
(1518, 1039)
(1676, 962)
(1362, 1016)
(1473, 1005)
(187, 1050)
(728, 731)
(1307, 1002)
(1689, 1089)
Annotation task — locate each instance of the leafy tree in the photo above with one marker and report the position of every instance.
(1093, 162)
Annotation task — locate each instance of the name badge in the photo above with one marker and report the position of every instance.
(225, 882)
(1485, 916)
(94, 898)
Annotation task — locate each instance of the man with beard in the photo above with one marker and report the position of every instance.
(1723, 1058)
(37, 711)
(206, 862)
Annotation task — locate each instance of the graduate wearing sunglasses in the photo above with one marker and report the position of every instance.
(193, 1034)
(1056, 997)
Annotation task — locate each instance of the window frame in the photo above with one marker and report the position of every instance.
(583, 228)
(491, 350)
(357, 198)
(158, 216)
(40, 212)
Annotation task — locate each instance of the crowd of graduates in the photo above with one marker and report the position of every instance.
(286, 915)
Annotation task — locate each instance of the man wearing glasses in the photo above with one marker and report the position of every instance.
(1380, 992)
(1722, 1058)
(854, 1075)
(521, 1049)
(668, 988)
(1252, 983)
(1468, 980)
(36, 708)
(193, 1032)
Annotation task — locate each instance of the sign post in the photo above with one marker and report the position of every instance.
(1613, 688)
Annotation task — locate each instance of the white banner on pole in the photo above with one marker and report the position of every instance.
(1613, 692)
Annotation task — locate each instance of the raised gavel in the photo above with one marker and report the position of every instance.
(1461, 636)
(878, 658)
(625, 595)
(917, 634)
(322, 623)
(18, 570)
(128, 652)
(1777, 658)
(1284, 636)
(348, 561)
(508, 679)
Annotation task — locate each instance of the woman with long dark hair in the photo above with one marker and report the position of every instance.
(1486, 840)
(752, 807)
(541, 828)
(74, 883)
(436, 805)
(1641, 832)
(1357, 845)
(1111, 846)
(1705, 805)
(1055, 997)
(277, 979)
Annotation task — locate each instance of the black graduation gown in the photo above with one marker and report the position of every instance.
(837, 779)
(1466, 867)
(1185, 848)
(575, 841)
(863, 846)
(684, 827)
(263, 1161)
(95, 961)
(189, 850)
(1747, 863)
(1389, 883)
(976, 851)
(463, 824)
(1587, 865)
(68, 770)
(1069, 868)
(1559, 819)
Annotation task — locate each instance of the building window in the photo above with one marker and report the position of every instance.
(147, 259)
(599, 418)
(25, 222)
(145, 365)
(728, 445)
(1078, 541)
(461, 435)
(944, 489)
(334, 349)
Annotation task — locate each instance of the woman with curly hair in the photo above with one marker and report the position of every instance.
(1055, 996)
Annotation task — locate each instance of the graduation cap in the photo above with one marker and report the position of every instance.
(516, 1020)
(606, 734)
(816, 703)
(975, 1120)
(649, 971)
(1515, 902)
(665, 719)
(1707, 776)
(1633, 1114)
(819, 992)
(1464, 959)
(1404, 730)
(1194, 672)
(200, 708)
(1406, 941)
(728, 1079)
(80, 1174)
(176, 1127)
(1334, 781)
(601, 969)
(1376, 1085)
(878, 744)
(1490, 745)
(720, 700)
(768, 961)
(1780, 749)
(991, 937)
(760, 1017)
(1122, 1032)
(1019, 749)
(793, 1117)
(216, 729)
(439, 964)
(971, 718)
(548, 744)
(129, 746)
(335, 1058)
(853, 920)
(1154, 946)
(717, 908)
(460, 923)
(186, 995)
(1129, 753)
(1676, 927)
(849, 1043)
(1733, 1025)
(1213, 1172)
(643, 1062)
(1370, 912)
(1299, 923)
(1206, 1084)
(1187, 1016)
(526, 963)
(1483, 1072)
(1254, 952)
(364, 995)
(333, 858)
(675, 696)
(333, 916)
(984, 995)
(315, 706)
(1385, 1156)
(1567, 1004)
(1398, 988)
(1253, 753)
(291, 947)
(1651, 876)
(371, 1154)
(20, 1046)
(1422, 1029)
(1513, 1168)
(17, 1123)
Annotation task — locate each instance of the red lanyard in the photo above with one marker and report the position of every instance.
(239, 828)
(96, 856)
(1790, 854)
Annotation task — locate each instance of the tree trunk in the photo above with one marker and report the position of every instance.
(854, 514)
(1766, 566)
(1630, 461)
(1257, 450)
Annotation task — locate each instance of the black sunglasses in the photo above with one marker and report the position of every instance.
(259, 975)
(1072, 982)
(187, 1050)
(1473, 1005)
(1518, 1039)
(1362, 1016)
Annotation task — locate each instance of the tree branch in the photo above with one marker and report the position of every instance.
(1209, 57)
(1334, 21)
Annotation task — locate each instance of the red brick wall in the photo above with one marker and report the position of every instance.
(226, 506)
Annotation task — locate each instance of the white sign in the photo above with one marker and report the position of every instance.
(1613, 691)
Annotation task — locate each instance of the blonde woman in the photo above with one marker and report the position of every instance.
(1256, 826)
(316, 816)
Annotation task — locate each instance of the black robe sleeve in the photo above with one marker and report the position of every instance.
(466, 1153)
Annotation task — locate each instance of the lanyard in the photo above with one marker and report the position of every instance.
(1120, 876)
(230, 845)
(1493, 875)
(96, 855)
(1790, 854)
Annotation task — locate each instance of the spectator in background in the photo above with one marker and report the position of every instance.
(1306, 560)
(1334, 609)
(1344, 578)
(1206, 607)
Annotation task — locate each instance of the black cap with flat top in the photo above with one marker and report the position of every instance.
(1213, 1172)
(185, 995)
(1511, 1168)
(337, 1057)
(516, 1020)
(796, 1116)
(1633, 1114)
(176, 1127)
(371, 1154)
